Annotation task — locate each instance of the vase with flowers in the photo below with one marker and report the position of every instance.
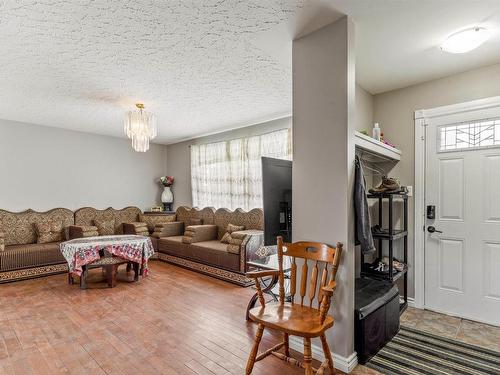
(167, 197)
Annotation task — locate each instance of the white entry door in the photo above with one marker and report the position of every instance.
(462, 246)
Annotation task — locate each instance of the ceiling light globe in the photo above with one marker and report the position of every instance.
(465, 40)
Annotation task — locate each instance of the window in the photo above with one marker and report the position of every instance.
(229, 174)
(469, 135)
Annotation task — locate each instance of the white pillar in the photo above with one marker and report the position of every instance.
(323, 161)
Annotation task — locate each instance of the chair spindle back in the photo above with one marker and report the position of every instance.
(323, 259)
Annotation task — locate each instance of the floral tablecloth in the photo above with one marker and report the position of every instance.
(83, 251)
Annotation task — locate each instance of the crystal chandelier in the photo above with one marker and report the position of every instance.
(140, 127)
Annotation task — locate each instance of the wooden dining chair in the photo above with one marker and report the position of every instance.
(307, 314)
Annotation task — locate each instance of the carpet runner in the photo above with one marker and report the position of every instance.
(416, 352)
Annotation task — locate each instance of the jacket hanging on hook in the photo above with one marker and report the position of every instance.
(362, 212)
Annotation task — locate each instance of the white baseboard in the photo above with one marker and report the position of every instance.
(411, 302)
(344, 364)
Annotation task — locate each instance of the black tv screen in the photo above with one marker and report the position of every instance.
(277, 194)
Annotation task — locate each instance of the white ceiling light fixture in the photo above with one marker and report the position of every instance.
(465, 40)
(140, 126)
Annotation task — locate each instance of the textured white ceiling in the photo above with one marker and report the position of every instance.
(81, 64)
(208, 65)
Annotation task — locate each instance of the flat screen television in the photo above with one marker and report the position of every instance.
(277, 196)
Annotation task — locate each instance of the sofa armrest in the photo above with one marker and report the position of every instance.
(137, 228)
(175, 228)
(248, 243)
(79, 231)
(2, 242)
(200, 233)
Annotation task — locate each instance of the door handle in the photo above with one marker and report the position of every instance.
(431, 229)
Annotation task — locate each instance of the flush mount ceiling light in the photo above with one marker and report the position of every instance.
(465, 40)
(140, 127)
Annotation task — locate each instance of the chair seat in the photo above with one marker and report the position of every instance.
(293, 319)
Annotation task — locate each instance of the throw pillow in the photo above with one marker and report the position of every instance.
(234, 228)
(230, 229)
(194, 222)
(105, 227)
(47, 232)
(152, 220)
(226, 238)
(235, 242)
(187, 239)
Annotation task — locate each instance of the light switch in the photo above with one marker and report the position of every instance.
(410, 191)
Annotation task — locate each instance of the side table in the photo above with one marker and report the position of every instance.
(269, 262)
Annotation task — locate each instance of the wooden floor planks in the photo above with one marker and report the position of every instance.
(173, 322)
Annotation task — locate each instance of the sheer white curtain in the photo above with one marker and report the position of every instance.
(229, 174)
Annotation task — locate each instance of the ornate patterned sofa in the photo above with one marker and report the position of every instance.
(26, 249)
(87, 218)
(194, 241)
(191, 238)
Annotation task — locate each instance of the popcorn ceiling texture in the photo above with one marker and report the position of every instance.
(81, 64)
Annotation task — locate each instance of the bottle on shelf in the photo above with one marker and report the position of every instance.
(376, 132)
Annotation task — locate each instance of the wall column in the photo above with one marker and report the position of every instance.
(323, 161)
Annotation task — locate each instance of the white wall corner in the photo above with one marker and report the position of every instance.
(344, 364)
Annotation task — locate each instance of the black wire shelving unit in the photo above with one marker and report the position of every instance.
(390, 235)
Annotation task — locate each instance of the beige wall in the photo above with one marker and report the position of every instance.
(364, 110)
(323, 157)
(394, 111)
(179, 156)
(44, 167)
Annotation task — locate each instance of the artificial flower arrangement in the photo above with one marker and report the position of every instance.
(167, 180)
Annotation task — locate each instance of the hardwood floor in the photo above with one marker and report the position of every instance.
(174, 322)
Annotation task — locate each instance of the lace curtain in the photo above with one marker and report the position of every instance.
(229, 174)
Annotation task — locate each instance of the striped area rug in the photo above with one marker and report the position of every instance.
(416, 352)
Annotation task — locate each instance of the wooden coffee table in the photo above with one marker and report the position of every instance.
(107, 252)
(109, 265)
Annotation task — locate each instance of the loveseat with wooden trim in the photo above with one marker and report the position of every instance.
(194, 241)
(22, 255)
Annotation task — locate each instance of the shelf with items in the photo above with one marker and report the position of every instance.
(369, 270)
(390, 235)
(376, 151)
(386, 235)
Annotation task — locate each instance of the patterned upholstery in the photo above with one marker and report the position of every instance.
(235, 240)
(105, 227)
(175, 228)
(82, 231)
(49, 232)
(253, 219)
(19, 227)
(151, 220)
(199, 233)
(86, 216)
(186, 214)
(137, 228)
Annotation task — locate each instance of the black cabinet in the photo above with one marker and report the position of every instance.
(376, 315)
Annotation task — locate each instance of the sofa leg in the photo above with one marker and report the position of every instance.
(70, 279)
